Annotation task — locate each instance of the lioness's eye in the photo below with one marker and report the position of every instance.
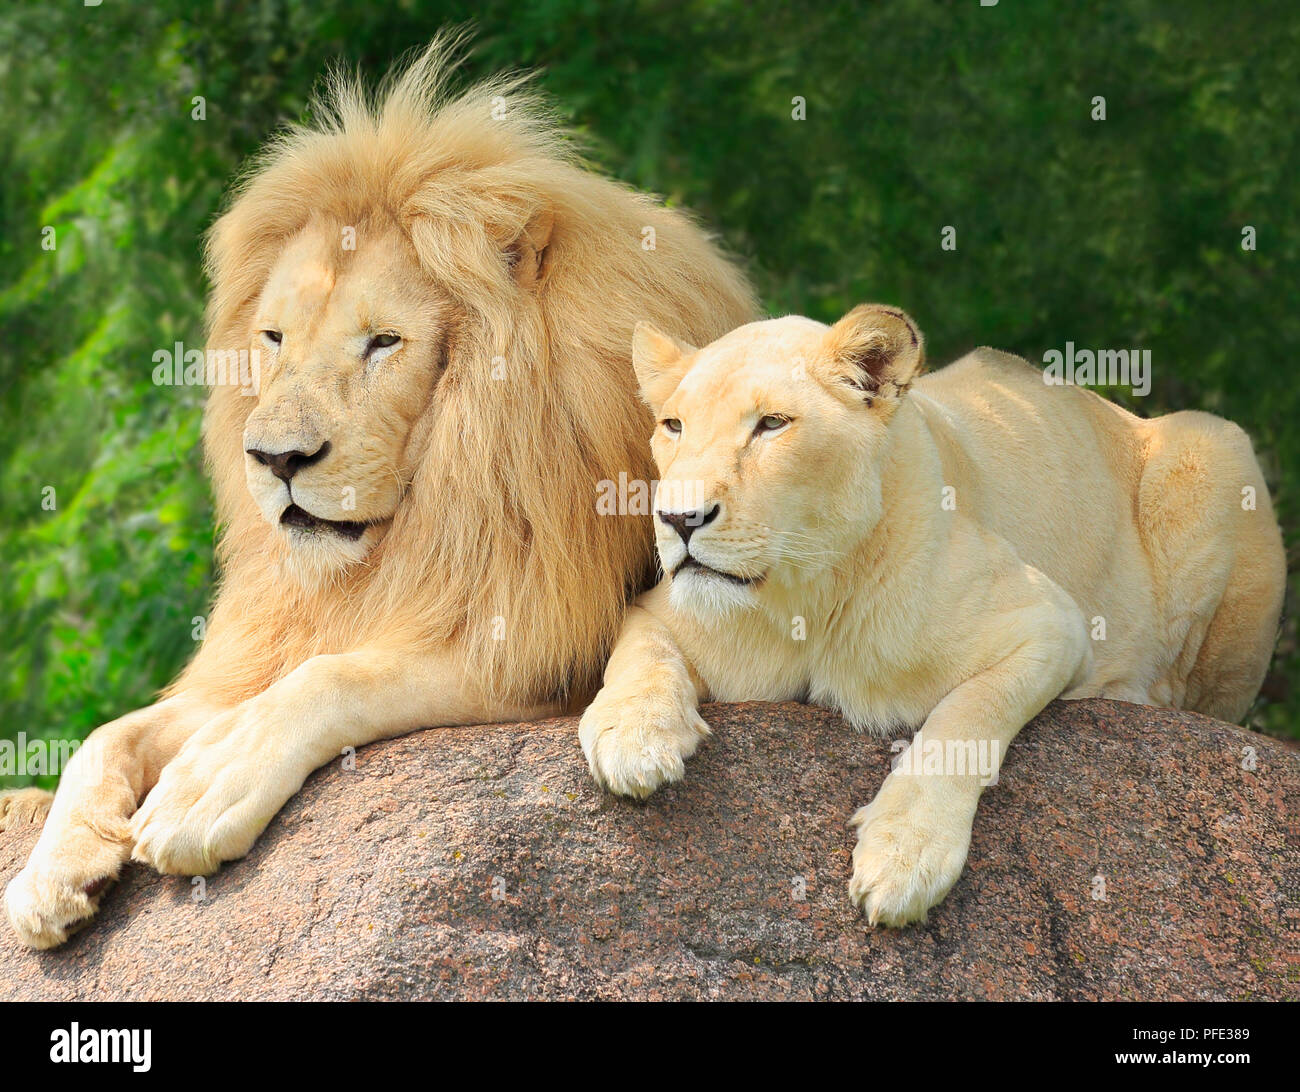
(273, 336)
(381, 341)
(672, 425)
(771, 422)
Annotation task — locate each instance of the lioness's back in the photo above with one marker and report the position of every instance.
(1136, 518)
(1046, 467)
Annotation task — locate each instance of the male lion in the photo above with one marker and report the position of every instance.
(442, 299)
(941, 552)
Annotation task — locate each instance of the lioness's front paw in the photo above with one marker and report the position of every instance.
(214, 798)
(912, 844)
(636, 744)
(23, 807)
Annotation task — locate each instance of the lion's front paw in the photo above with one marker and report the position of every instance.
(912, 844)
(55, 894)
(214, 798)
(633, 745)
(24, 807)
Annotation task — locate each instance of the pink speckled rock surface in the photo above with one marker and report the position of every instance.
(482, 863)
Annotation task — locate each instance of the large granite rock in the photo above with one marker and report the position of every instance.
(1126, 853)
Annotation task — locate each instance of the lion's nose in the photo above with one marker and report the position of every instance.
(285, 464)
(685, 523)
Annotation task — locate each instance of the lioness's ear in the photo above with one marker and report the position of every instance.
(528, 250)
(659, 361)
(876, 350)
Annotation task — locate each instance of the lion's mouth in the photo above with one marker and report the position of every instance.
(293, 516)
(693, 564)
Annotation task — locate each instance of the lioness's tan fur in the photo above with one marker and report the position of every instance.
(484, 585)
(947, 552)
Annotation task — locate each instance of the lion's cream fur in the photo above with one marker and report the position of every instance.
(485, 584)
(498, 534)
(945, 553)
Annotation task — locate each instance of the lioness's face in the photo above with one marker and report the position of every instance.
(350, 345)
(767, 444)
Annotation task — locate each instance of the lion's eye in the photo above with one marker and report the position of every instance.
(671, 424)
(771, 422)
(381, 341)
(273, 336)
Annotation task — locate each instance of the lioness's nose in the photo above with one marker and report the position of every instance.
(285, 464)
(685, 523)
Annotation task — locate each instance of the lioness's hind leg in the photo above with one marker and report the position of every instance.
(1209, 527)
(1234, 657)
(24, 807)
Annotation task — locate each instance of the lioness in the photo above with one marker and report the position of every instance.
(442, 298)
(950, 551)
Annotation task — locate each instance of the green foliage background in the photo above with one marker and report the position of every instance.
(920, 114)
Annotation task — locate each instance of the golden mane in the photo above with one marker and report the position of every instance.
(497, 546)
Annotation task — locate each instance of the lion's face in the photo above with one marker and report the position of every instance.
(768, 444)
(350, 349)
